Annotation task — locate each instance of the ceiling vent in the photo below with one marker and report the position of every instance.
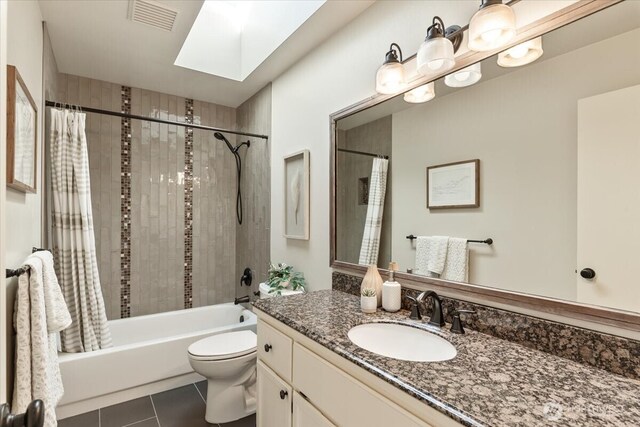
(152, 13)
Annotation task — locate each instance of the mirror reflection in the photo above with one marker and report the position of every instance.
(535, 150)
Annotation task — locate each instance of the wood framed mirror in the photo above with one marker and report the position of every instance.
(547, 262)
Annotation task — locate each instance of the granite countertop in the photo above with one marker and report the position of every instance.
(491, 382)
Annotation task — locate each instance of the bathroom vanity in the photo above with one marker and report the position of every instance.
(310, 374)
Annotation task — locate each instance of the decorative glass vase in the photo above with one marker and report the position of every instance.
(373, 280)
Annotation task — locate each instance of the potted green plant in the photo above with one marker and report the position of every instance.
(282, 277)
(368, 300)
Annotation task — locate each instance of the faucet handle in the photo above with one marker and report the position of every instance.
(415, 309)
(456, 324)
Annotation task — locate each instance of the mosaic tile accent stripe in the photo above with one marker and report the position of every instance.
(614, 354)
(125, 204)
(188, 206)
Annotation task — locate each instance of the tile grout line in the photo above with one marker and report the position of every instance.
(141, 421)
(198, 390)
(154, 410)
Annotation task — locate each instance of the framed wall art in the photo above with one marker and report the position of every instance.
(22, 134)
(454, 185)
(296, 190)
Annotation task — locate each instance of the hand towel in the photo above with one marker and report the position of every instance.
(58, 316)
(431, 254)
(37, 372)
(456, 266)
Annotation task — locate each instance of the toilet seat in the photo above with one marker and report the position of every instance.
(224, 346)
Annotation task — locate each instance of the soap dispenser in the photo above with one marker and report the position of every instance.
(391, 291)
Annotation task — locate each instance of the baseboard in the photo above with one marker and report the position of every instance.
(88, 405)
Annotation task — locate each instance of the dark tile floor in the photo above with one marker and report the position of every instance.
(180, 407)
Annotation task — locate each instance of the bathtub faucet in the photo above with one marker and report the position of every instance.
(242, 300)
(247, 277)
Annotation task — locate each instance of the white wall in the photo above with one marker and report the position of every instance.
(5, 321)
(338, 73)
(523, 128)
(22, 212)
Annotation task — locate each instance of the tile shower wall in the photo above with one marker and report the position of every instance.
(178, 192)
(214, 197)
(253, 245)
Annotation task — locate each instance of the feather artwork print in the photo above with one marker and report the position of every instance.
(295, 193)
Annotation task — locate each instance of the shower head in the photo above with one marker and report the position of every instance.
(221, 137)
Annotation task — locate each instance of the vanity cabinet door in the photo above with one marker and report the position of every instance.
(305, 415)
(346, 400)
(274, 349)
(274, 399)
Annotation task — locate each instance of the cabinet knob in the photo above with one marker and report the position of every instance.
(267, 347)
(587, 273)
(283, 394)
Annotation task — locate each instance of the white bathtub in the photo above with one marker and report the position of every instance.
(149, 355)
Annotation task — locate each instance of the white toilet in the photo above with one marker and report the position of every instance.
(228, 362)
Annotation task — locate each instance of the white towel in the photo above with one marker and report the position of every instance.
(37, 373)
(431, 255)
(58, 317)
(456, 266)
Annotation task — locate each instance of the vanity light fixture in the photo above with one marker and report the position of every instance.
(465, 77)
(436, 52)
(421, 94)
(390, 77)
(521, 54)
(491, 27)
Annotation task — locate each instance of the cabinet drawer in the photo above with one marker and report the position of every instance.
(327, 388)
(274, 349)
(305, 415)
(274, 399)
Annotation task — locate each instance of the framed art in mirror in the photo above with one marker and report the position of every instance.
(454, 185)
(22, 134)
(296, 195)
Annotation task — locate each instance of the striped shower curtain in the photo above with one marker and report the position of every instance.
(373, 223)
(74, 246)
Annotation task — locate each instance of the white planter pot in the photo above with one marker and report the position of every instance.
(368, 304)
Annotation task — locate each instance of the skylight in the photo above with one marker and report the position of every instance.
(232, 38)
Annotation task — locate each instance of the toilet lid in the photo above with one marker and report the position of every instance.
(225, 346)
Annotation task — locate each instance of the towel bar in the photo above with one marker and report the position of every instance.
(488, 241)
(18, 271)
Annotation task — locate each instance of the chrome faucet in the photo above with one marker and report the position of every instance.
(437, 319)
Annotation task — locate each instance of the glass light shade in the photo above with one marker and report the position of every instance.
(522, 54)
(390, 78)
(465, 77)
(491, 27)
(420, 94)
(435, 55)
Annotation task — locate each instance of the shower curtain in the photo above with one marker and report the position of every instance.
(373, 223)
(74, 245)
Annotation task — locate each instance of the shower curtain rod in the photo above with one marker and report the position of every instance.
(363, 153)
(153, 119)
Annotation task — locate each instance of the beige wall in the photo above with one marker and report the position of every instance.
(252, 237)
(336, 74)
(373, 137)
(523, 128)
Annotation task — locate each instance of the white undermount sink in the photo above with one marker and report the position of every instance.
(402, 342)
